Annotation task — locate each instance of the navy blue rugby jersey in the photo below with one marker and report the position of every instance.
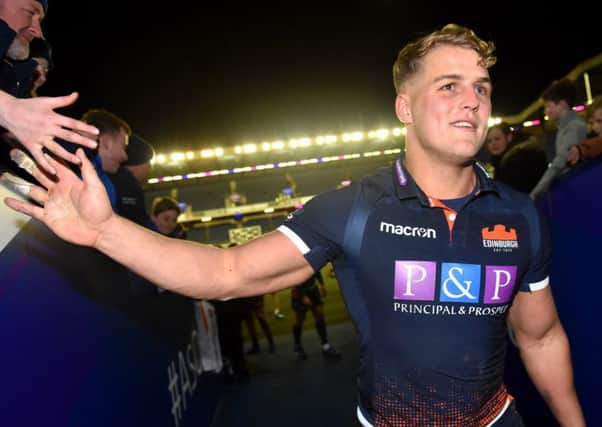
(429, 292)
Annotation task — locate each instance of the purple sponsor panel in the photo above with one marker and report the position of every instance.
(415, 280)
(499, 283)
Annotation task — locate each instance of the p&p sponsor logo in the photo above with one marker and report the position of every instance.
(458, 283)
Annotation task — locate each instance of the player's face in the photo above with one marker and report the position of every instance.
(446, 105)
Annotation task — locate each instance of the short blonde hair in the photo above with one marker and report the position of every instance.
(410, 56)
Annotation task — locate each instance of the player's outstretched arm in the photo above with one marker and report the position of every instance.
(79, 211)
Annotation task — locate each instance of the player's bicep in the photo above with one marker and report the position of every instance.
(533, 315)
(267, 264)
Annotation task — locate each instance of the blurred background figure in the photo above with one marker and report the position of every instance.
(289, 191)
(523, 164)
(230, 315)
(28, 121)
(111, 152)
(233, 197)
(308, 296)
(164, 213)
(130, 178)
(278, 314)
(500, 139)
(591, 147)
(559, 98)
(41, 53)
(515, 158)
(256, 311)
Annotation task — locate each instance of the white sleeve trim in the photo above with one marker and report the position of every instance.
(508, 402)
(363, 421)
(538, 286)
(300, 244)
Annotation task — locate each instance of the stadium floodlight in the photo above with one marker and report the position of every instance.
(189, 155)
(330, 139)
(249, 148)
(205, 154)
(177, 156)
(357, 136)
(303, 142)
(382, 133)
(161, 159)
(219, 151)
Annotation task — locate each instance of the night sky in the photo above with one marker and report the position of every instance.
(185, 76)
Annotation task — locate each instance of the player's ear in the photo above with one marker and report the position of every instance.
(402, 108)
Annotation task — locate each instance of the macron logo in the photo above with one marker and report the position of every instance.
(409, 231)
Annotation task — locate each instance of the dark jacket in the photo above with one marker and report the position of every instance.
(7, 35)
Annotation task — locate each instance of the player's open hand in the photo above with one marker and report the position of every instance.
(76, 210)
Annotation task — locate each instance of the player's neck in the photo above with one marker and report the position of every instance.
(441, 178)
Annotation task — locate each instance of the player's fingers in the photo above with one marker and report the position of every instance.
(25, 208)
(59, 151)
(38, 194)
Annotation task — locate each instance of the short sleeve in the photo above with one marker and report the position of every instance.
(537, 276)
(317, 229)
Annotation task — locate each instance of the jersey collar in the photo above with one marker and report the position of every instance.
(406, 187)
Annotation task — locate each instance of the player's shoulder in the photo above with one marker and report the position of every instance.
(513, 197)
